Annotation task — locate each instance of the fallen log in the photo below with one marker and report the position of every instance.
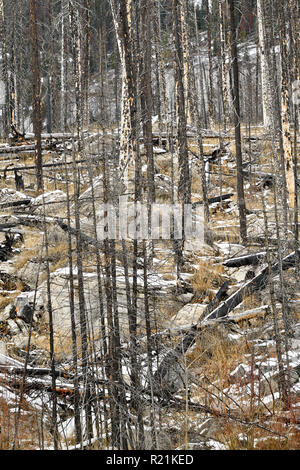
(34, 372)
(217, 298)
(88, 160)
(221, 312)
(14, 232)
(45, 165)
(36, 385)
(9, 225)
(86, 239)
(246, 260)
(29, 220)
(249, 314)
(179, 404)
(22, 202)
(214, 199)
(24, 148)
(257, 283)
(17, 135)
(56, 136)
(171, 358)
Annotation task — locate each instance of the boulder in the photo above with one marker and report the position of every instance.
(23, 308)
(185, 298)
(3, 350)
(274, 381)
(296, 331)
(54, 201)
(243, 274)
(241, 372)
(22, 325)
(188, 315)
(5, 315)
(13, 327)
(8, 195)
(61, 301)
(20, 341)
(211, 427)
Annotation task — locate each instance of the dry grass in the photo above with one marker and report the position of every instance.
(252, 301)
(164, 165)
(8, 299)
(31, 249)
(166, 311)
(207, 277)
(10, 289)
(239, 437)
(57, 253)
(62, 344)
(28, 431)
(266, 149)
(216, 355)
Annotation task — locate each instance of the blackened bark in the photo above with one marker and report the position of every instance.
(237, 123)
(37, 120)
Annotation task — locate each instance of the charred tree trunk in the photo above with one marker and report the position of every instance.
(237, 123)
(37, 119)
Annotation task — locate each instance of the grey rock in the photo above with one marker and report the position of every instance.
(3, 348)
(295, 344)
(297, 331)
(22, 325)
(241, 372)
(20, 341)
(211, 427)
(13, 327)
(185, 298)
(54, 201)
(4, 316)
(189, 314)
(293, 375)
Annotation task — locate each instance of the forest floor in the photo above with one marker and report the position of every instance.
(232, 369)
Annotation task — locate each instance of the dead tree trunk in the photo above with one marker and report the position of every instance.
(237, 124)
(37, 120)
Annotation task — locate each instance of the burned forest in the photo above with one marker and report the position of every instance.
(149, 232)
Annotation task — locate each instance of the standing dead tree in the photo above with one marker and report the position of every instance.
(37, 118)
(237, 123)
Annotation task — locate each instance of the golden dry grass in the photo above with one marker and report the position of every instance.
(6, 300)
(206, 277)
(32, 245)
(28, 430)
(216, 355)
(238, 437)
(62, 343)
(252, 301)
